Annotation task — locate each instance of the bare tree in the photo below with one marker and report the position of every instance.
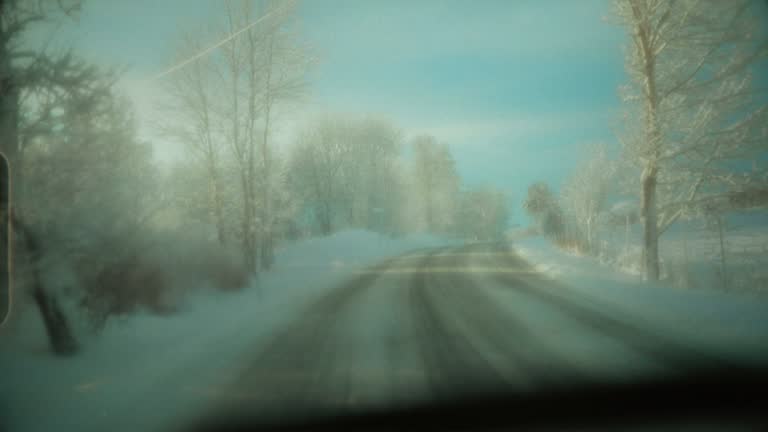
(482, 214)
(437, 181)
(690, 65)
(373, 144)
(316, 169)
(344, 170)
(543, 207)
(381, 143)
(261, 67)
(193, 121)
(585, 193)
(283, 64)
(239, 75)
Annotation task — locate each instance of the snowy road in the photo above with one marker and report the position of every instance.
(332, 329)
(447, 321)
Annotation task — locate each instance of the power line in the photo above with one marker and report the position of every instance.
(206, 51)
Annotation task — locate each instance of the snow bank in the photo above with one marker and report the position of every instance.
(148, 372)
(690, 254)
(731, 322)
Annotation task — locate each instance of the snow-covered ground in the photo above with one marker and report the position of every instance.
(148, 372)
(691, 254)
(733, 322)
(694, 258)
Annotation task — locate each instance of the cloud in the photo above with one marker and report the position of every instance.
(468, 73)
(405, 31)
(510, 127)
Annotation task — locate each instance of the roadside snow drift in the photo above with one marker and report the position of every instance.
(731, 322)
(148, 372)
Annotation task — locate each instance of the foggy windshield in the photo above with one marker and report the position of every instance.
(279, 208)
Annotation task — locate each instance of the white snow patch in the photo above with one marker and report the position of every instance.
(730, 322)
(148, 372)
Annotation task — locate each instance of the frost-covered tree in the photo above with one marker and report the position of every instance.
(482, 214)
(192, 120)
(367, 175)
(343, 170)
(93, 178)
(542, 205)
(283, 62)
(34, 83)
(227, 99)
(690, 64)
(261, 66)
(94, 186)
(585, 193)
(32, 76)
(437, 182)
(315, 171)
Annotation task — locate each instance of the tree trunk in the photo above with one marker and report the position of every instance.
(626, 234)
(325, 227)
(648, 213)
(648, 209)
(723, 268)
(267, 251)
(217, 201)
(324, 218)
(56, 326)
(60, 335)
(686, 262)
(430, 216)
(248, 245)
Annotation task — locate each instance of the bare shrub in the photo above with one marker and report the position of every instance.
(153, 273)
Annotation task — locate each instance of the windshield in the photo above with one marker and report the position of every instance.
(284, 208)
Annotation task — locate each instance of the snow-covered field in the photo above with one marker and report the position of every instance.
(694, 259)
(691, 253)
(148, 372)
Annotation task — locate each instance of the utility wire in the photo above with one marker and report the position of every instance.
(208, 50)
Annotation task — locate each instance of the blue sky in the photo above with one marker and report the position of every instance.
(517, 89)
